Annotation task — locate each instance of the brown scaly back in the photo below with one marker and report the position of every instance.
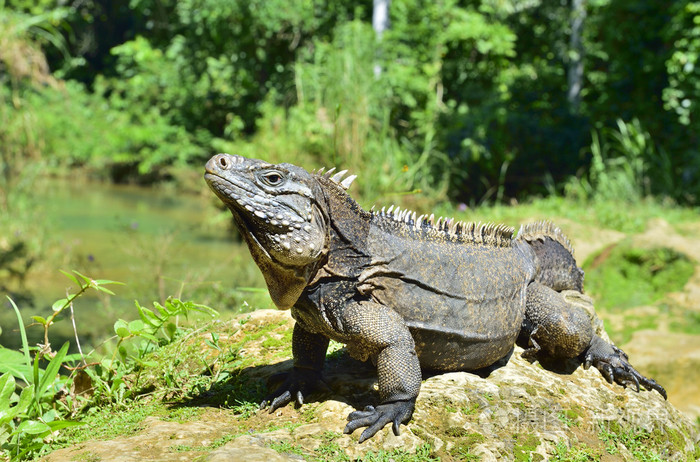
(540, 230)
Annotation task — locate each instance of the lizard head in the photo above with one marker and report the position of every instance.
(276, 209)
(275, 204)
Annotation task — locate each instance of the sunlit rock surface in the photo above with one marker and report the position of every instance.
(520, 411)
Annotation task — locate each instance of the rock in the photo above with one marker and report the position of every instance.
(520, 411)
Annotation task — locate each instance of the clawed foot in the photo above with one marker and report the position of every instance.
(613, 364)
(375, 419)
(297, 384)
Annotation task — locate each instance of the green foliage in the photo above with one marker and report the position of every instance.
(35, 409)
(28, 417)
(22, 65)
(683, 66)
(639, 442)
(462, 97)
(620, 165)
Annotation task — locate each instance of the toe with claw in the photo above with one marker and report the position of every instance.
(614, 365)
(396, 413)
(297, 384)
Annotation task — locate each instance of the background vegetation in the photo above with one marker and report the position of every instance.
(588, 106)
(476, 100)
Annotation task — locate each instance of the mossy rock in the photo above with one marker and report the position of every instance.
(520, 411)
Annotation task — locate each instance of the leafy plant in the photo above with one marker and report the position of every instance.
(27, 418)
(36, 400)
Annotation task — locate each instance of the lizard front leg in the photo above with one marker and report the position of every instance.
(309, 351)
(373, 329)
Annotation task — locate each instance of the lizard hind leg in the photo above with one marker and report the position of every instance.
(552, 326)
(557, 329)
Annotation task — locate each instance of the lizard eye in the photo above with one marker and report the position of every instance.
(272, 178)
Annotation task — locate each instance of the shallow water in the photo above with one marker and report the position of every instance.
(158, 242)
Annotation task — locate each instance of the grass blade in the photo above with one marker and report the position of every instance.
(23, 333)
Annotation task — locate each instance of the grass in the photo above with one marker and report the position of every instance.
(638, 441)
(623, 276)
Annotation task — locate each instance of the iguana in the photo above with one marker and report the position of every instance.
(409, 292)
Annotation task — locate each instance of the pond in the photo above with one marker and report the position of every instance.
(159, 242)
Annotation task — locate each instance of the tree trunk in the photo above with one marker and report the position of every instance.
(380, 23)
(578, 16)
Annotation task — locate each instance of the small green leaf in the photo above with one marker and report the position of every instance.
(136, 326)
(23, 334)
(87, 280)
(38, 319)
(7, 388)
(147, 315)
(52, 369)
(25, 398)
(170, 329)
(58, 305)
(161, 309)
(104, 289)
(146, 363)
(59, 424)
(100, 282)
(33, 427)
(121, 328)
(49, 416)
(122, 352)
(71, 277)
(12, 362)
(35, 372)
(149, 336)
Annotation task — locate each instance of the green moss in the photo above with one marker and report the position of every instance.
(217, 443)
(309, 412)
(642, 444)
(569, 417)
(183, 414)
(87, 456)
(579, 453)
(464, 444)
(624, 276)
(471, 409)
(182, 448)
(422, 454)
(687, 322)
(531, 390)
(463, 452)
(524, 445)
(112, 421)
(285, 447)
(330, 449)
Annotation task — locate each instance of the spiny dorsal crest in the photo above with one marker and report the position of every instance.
(543, 229)
(336, 178)
(468, 232)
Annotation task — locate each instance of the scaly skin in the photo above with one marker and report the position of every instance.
(407, 292)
